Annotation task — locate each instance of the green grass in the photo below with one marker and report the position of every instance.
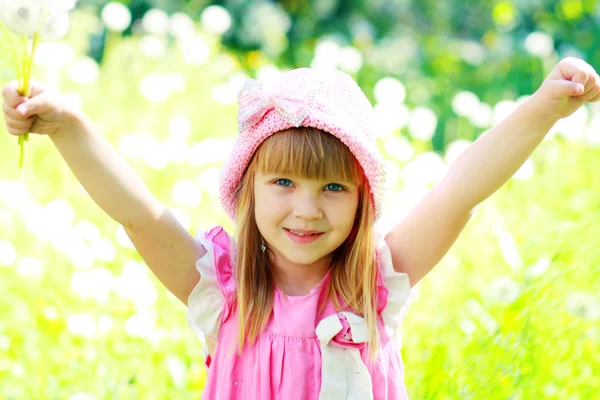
(540, 349)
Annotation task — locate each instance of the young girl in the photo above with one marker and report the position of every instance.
(303, 302)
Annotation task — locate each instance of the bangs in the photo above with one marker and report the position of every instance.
(308, 153)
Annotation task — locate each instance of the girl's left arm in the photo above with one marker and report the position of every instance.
(421, 239)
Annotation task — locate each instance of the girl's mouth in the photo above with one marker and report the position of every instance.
(299, 237)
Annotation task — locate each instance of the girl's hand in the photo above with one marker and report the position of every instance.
(44, 113)
(569, 85)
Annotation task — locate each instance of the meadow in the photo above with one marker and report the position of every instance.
(511, 312)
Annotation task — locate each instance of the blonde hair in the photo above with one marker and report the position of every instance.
(312, 154)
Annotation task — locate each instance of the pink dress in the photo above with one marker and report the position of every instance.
(302, 354)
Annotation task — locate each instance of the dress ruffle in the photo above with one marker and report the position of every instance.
(394, 294)
(210, 302)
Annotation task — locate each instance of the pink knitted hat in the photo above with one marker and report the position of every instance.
(326, 99)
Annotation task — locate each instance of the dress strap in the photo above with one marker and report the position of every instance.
(344, 375)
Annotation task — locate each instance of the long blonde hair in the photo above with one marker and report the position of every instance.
(311, 154)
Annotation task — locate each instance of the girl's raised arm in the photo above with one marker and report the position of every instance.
(166, 247)
(420, 241)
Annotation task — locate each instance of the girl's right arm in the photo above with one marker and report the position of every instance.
(166, 247)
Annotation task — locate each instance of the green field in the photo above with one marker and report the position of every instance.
(512, 311)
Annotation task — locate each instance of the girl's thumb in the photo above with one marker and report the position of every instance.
(565, 88)
(26, 109)
(37, 105)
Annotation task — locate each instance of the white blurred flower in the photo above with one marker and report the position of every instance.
(326, 54)
(508, 248)
(584, 305)
(472, 52)
(105, 323)
(268, 73)
(55, 26)
(180, 126)
(187, 193)
(399, 148)
(481, 117)
(30, 267)
(423, 122)
(8, 254)
(468, 326)
(209, 151)
(141, 324)
(504, 290)
(50, 312)
(175, 149)
(54, 54)
(95, 283)
(82, 396)
(135, 285)
(350, 59)
(155, 87)
(389, 117)
(427, 167)
(464, 103)
(539, 44)
(23, 17)
(208, 180)
(177, 371)
(389, 89)
(592, 136)
(84, 71)
(216, 19)
(135, 145)
(177, 81)
(153, 46)
(181, 25)
(116, 16)
(82, 325)
(194, 49)
(13, 193)
(61, 5)
(155, 157)
(538, 268)
(48, 17)
(156, 22)
(103, 250)
(265, 24)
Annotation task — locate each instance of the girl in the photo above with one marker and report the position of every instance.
(304, 301)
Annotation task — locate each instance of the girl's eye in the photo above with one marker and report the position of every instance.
(334, 187)
(286, 182)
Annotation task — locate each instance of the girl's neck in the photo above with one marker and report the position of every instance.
(299, 280)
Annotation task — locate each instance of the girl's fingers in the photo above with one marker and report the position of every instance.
(11, 95)
(592, 94)
(18, 122)
(11, 112)
(18, 127)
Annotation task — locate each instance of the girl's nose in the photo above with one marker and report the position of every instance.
(307, 207)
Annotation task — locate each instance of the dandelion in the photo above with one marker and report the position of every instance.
(38, 20)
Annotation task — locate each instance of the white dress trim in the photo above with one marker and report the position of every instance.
(344, 375)
(205, 303)
(400, 294)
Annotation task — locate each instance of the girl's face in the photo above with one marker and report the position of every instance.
(286, 203)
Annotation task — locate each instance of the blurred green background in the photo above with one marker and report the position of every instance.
(511, 312)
